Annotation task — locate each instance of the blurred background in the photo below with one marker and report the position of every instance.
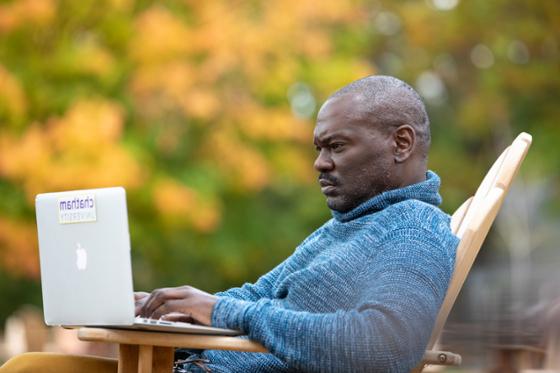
(204, 112)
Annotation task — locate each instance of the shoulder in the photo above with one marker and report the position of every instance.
(418, 215)
(419, 223)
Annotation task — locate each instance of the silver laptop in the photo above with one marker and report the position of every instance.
(86, 274)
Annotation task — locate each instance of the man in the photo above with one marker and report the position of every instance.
(362, 292)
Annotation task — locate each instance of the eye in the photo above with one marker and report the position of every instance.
(337, 147)
(317, 148)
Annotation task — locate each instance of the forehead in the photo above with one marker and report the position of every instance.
(341, 115)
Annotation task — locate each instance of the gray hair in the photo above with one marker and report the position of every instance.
(389, 102)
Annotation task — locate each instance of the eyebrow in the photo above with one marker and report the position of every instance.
(331, 137)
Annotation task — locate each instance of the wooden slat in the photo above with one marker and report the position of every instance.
(459, 215)
(145, 359)
(163, 359)
(517, 152)
(128, 358)
(552, 360)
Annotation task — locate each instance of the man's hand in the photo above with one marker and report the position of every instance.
(183, 303)
(140, 297)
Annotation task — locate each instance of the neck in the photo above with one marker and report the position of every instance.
(412, 173)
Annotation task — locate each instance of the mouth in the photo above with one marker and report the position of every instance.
(327, 187)
(328, 190)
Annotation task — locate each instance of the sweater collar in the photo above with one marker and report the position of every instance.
(425, 191)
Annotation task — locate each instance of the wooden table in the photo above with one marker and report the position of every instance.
(147, 352)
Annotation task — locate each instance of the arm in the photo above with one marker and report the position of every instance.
(185, 303)
(386, 332)
(265, 285)
(262, 288)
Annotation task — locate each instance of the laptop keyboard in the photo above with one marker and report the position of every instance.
(181, 327)
(148, 321)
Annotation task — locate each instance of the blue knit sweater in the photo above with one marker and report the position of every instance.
(360, 294)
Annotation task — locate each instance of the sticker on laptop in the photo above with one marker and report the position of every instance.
(76, 209)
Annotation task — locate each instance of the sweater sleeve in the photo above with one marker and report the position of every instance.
(261, 289)
(402, 288)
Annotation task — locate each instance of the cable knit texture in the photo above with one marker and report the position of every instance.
(360, 294)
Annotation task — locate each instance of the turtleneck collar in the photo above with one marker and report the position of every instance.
(425, 191)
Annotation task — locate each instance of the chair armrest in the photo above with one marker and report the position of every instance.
(433, 357)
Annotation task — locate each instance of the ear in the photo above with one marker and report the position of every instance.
(405, 140)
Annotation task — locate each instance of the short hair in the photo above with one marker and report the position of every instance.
(389, 102)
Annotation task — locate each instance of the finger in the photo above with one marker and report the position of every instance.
(140, 298)
(178, 316)
(170, 306)
(158, 298)
(138, 306)
(151, 303)
(140, 294)
(158, 312)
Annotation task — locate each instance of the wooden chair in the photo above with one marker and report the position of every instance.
(153, 352)
(471, 223)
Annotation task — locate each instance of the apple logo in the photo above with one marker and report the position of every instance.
(81, 257)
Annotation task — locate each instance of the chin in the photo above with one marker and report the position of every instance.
(338, 205)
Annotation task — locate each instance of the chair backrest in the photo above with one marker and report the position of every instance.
(472, 220)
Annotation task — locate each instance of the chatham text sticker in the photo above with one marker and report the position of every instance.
(76, 209)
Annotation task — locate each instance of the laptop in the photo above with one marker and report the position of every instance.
(86, 272)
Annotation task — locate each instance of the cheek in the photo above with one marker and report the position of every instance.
(373, 174)
(371, 165)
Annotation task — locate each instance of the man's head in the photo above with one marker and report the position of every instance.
(371, 136)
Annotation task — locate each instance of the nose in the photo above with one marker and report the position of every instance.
(323, 162)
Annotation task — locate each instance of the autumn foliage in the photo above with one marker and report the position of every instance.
(185, 104)
(203, 111)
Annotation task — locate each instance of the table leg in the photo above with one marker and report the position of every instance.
(128, 358)
(145, 359)
(163, 359)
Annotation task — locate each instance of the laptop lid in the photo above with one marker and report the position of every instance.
(84, 253)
